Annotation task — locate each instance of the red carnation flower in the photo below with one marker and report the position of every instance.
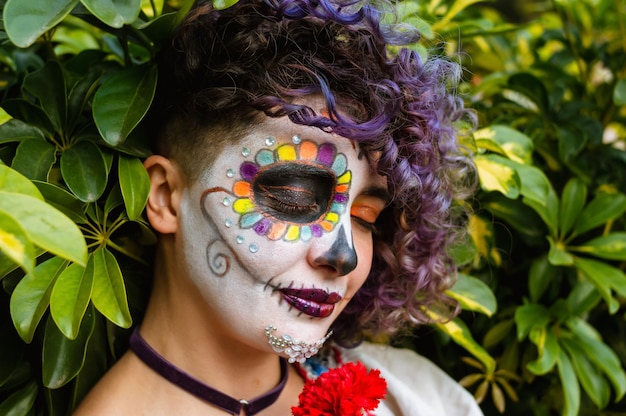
(348, 390)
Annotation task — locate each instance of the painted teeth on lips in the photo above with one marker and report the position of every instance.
(313, 302)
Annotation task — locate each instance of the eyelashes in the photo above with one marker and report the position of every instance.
(368, 226)
(290, 199)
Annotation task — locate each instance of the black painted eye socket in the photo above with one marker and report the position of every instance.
(294, 192)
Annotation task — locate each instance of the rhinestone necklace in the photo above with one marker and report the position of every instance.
(194, 386)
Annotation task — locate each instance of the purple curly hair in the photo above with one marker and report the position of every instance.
(226, 66)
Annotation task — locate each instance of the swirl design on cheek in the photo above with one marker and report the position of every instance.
(293, 192)
(218, 261)
(218, 253)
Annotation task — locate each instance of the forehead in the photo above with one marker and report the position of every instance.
(278, 140)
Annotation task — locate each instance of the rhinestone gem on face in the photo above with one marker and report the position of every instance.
(296, 350)
(270, 141)
(230, 173)
(245, 152)
(296, 139)
(253, 248)
(228, 222)
(239, 239)
(226, 202)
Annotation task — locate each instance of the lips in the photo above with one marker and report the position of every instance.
(317, 303)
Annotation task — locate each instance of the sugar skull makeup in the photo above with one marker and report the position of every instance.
(273, 233)
(294, 191)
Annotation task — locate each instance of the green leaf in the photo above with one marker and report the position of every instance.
(21, 402)
(591, 379)
(223, 4)
(34, 159)
(497, 333)
(26, 20)
(16, 130)
(539, 277)
(109, 293)
(612, 276)
(48, 85)
(457, 7)
(461, 335)
(14, 243)
(31, 296)
(70, 297)
(605, 278)
(506, 141)
(62, 358)
(533, 88)
(600, 354)
(611, 246)
(539, 194)
(557, 255)
(4, 116)
(114, 199)
(572, 201)
(530, 316)
(84, 170)
(547, 347)
(114, 13)
(81, 95)
(517, 215)
(135, 185)
(619, 93)
(46, 226)
(572, 141)
(604, 207)
(583, 297)
(473, 294)
(62, 200)
(569, 382)
(158, 30)
(122, 101)
(96, 361)
(30, 113)
(497, 176)
(12, 181)
(463, 251)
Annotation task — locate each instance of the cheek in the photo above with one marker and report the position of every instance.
(364, 248)
(260, 256)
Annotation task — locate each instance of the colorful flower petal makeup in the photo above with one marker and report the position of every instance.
(294, 191)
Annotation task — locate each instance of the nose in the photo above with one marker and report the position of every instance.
(341, 256)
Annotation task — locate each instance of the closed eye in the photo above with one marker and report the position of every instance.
(289, 199)
(365, 211)
(296, 193)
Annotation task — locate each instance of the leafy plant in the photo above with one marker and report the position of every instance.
(549, 221)
(78, 77)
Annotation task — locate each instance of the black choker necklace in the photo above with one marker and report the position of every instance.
(194, 386)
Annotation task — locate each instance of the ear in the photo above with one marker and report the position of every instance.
(167, 183)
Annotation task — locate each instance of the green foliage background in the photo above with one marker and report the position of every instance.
(541, 284)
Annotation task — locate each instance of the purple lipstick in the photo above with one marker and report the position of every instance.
(317, 303)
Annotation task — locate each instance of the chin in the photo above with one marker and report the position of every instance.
(297, 345)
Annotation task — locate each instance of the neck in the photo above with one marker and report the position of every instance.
(177, 327)
(203, 391)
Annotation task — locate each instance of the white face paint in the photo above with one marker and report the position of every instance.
(276, 233)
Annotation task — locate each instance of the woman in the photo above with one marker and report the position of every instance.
(301, 188)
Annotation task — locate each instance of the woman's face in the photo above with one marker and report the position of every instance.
(277, 234)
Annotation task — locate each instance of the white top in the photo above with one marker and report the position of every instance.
(415, 386)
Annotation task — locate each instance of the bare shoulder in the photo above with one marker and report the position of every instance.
(120, 391)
